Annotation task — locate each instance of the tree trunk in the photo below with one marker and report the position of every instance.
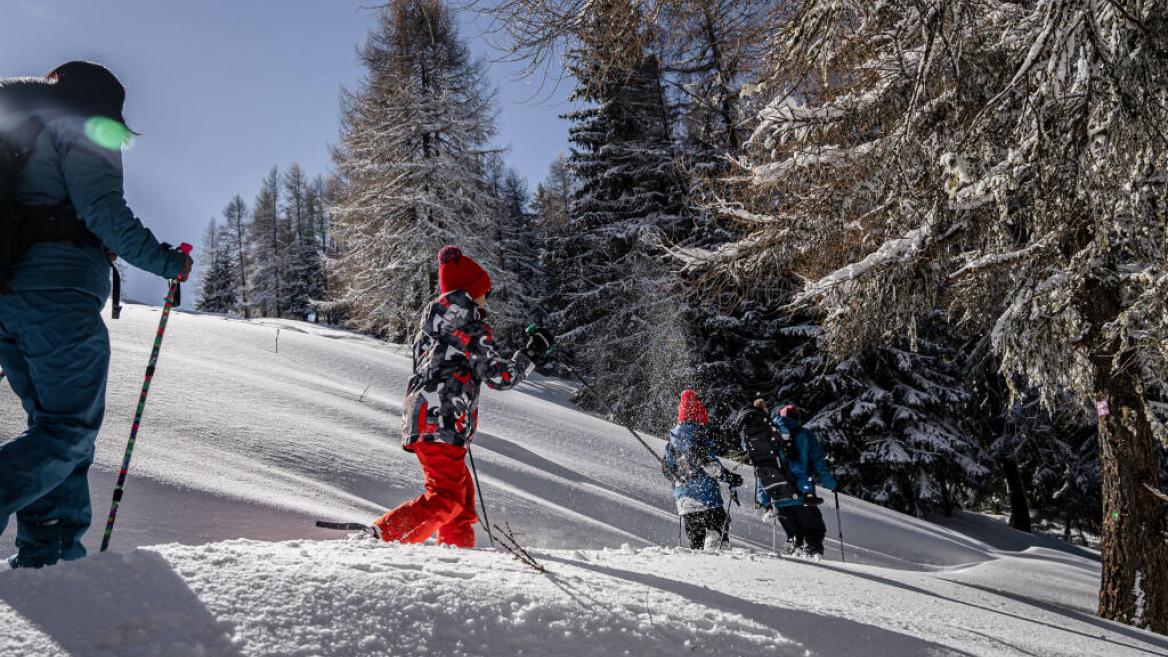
(947, 504)
(1134, 587)
(1135, 554)
(1019, 507)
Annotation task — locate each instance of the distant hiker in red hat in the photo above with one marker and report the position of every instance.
(692, 466)
(454, 354)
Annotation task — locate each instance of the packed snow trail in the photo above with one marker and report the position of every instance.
(244, 439)
(308, 423)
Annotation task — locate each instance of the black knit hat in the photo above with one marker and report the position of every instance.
(90, 87)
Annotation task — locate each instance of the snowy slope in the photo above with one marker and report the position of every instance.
(251, 435)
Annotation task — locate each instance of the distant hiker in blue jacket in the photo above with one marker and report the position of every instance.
(692, 466)
(61, 221)
(801, 518)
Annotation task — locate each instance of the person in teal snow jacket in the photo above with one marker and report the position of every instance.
(800, 517)
(54, 347)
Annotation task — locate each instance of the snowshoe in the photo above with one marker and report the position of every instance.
(713, 542)
(350, 527)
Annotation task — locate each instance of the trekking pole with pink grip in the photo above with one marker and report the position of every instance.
(173, 299)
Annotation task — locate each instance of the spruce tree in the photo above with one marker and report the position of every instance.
(217, 289)
(552, 211)
(301, 255)
(520, 245)
(889, 416)
(619, 299)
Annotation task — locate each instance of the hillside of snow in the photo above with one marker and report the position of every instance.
(254, 429)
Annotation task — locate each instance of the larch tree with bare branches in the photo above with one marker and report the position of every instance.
(411, 169)
(1005, 159)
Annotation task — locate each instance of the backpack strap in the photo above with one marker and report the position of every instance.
(54, 223)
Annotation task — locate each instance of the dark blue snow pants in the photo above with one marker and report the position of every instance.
(54, 349)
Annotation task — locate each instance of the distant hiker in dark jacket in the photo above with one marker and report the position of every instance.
(454, 354)
(54, 348)
(800, 517)
(694, 469)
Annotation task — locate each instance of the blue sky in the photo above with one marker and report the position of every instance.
(221, 90)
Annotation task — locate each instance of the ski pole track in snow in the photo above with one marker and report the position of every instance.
(240, 442)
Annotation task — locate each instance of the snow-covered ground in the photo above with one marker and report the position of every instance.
(245, 442)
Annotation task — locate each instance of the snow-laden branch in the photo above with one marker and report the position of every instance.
(890, 252)
(1000, 259)
(831, 155)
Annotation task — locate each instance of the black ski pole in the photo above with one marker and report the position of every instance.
(482, 502)
(613, 413)
(726, 525)
(775, 529)
(839, 525)
(172, 300)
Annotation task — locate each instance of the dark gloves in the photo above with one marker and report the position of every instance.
(732, 480)
(184, 249)
(540, 344)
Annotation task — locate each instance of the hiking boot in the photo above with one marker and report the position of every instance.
(810, 553)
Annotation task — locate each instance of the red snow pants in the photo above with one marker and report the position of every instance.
(447, 506)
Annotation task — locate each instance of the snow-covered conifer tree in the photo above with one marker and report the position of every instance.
(520, 244)
(619, 311)
(237, 240)
(552, 211)
(218, 282)
(411, 168)
(889, 416)
(553, 196)
(301, 254)
(266, 272)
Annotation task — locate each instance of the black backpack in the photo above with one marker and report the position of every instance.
(763, 444)
(15, 150)
(23, 225)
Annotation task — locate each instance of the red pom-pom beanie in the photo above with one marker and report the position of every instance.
(459, 272)
(791, 412)
(691, 409)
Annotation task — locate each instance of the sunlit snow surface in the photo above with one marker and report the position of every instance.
(243, 447)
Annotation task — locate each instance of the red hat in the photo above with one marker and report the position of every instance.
(691, 409)
(458, 272)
